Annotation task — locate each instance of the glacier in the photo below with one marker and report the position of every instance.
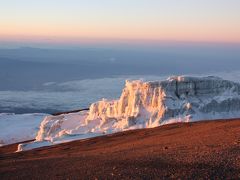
(145, 105)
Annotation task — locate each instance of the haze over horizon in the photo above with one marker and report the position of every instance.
(78, 22)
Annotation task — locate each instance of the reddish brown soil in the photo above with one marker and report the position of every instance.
(200, 150)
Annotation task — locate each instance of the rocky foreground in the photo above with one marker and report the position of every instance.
(207, 149)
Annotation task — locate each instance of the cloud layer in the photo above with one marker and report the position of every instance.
(75, 94)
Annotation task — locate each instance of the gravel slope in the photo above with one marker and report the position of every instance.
(207, 149)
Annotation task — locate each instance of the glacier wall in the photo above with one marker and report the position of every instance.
(144, 105)
(155, 102)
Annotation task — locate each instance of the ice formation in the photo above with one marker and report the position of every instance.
(144, 105)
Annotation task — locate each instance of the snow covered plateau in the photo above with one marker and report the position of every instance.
(19, 127)
(145, 105)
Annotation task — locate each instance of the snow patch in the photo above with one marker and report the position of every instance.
(19, 127)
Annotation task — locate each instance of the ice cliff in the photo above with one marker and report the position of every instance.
(144, 105)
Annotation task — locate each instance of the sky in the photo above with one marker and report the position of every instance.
(73, 21)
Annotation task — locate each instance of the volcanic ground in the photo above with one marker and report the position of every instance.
(206, 149)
